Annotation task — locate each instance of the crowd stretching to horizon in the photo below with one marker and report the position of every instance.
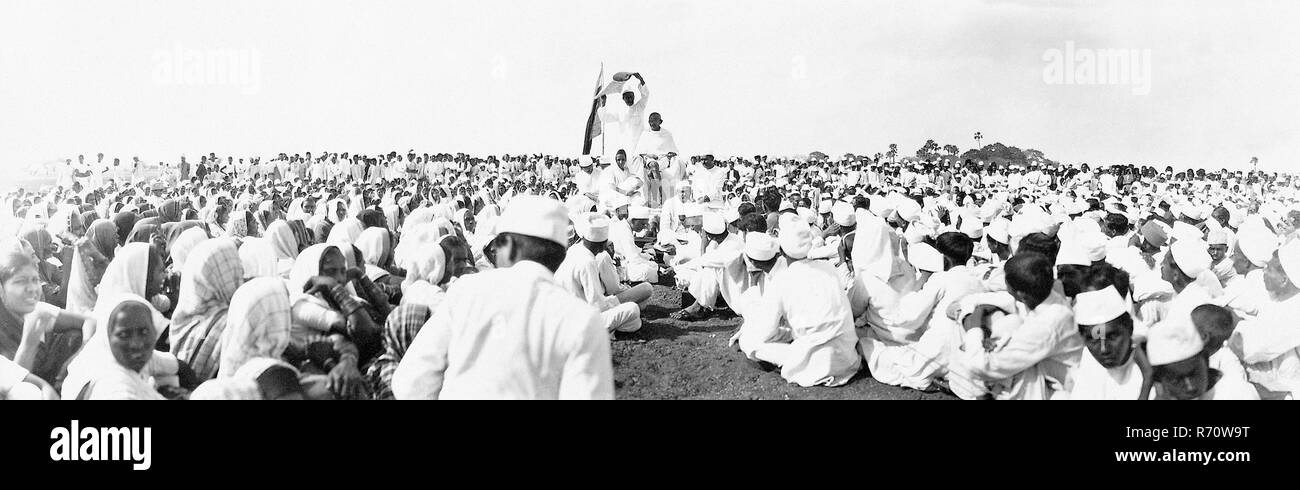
(441, 276)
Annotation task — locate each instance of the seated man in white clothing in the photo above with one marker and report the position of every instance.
(1115, 367)
(719, 247)
(512, 332)
(1032, 361)
(720, 271)
(687, 242)
(912, 344)
(808, 297)
(636, 265)
(580, 274)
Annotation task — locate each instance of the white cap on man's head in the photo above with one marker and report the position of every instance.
(908, 209)
(760, 246)
(1098, 307)
(842, 213)
(592, 227)
(713, 224)
(1072, 253)
(999, 231)
(537, 217)
(1191, 255)
(1173, 340)
(924, 257)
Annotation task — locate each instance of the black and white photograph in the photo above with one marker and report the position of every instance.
(649, 200)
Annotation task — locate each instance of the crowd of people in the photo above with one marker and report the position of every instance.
(439, 276)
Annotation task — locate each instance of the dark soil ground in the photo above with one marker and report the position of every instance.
(672, 359)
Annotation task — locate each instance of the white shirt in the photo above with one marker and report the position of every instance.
(1044, 347)
(587, 183)
(809, 297)
(580, 275)
(508, 333)
(708, 182)
(1091, 381)
(656, 143)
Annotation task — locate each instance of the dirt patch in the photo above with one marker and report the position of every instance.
(672, 359)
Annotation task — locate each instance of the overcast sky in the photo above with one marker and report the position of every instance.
(729, 77)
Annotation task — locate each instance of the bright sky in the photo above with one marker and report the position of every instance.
(730, 77)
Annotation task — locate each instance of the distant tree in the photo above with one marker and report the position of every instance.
(893, 152)
(951, 150)
(928, 151)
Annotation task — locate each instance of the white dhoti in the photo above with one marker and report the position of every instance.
(642, 270)
(704, 287)
(626, 317)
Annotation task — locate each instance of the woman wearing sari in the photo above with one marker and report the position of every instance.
(284, 246)
(371, 218)
(27, 333)
(170, 232)
(332, 331)
(257, 326)
(426, 265)
(91, 257)
(303, 236)
(346, 231)
(267, 213)
(298, 210)
(215, 216)
(44, 250)
(180, 248)
(138, 269)
(168, 212)
(392, 212)
(399, 331)
(125, 221)
(376, 246)
(209, 279)
(320, 223)
(114, 363)
(144, 233)
(240, 224)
